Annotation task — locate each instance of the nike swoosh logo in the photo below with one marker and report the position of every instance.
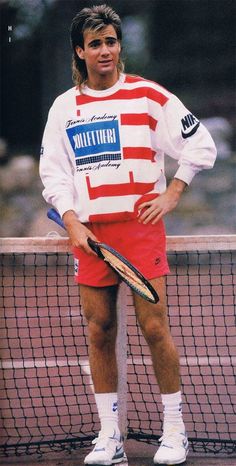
(115, 407)
(120, 447)
(185, 443)
(190, 133)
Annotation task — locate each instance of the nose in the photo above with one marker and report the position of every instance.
(104, 49)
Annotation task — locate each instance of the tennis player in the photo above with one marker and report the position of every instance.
(102, 166)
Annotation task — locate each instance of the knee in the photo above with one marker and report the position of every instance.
(101, 332)
(155, 330)
(153, 333)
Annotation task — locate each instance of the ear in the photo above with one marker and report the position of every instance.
(80, 52)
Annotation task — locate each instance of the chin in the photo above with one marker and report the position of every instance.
(107, 70)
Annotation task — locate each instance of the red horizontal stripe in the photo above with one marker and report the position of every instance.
(139, 153)
(135, 79)
(157, 97)
(112, 217)
(123, 216)
(126, 94)
(138, 119)
(152, 122)
(120, 189)
(134, 119)
(129, 78)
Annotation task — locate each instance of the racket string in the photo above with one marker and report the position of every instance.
(129, 276)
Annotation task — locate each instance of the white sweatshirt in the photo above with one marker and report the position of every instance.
(103, 150)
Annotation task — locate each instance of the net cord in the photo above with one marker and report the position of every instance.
(174, 243)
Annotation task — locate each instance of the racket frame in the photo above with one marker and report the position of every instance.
(96, 247)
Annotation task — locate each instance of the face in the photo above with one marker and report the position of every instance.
(101, 53)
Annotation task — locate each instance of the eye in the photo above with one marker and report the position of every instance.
(111, 41)
(95, 44)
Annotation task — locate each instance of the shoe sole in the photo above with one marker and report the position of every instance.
(115, 461)
(173, 464)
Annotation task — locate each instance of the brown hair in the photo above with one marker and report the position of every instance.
(95, 18)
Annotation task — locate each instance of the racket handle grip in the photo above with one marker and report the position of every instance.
(54, 215)
(95, 247)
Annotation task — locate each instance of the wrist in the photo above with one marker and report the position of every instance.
(69, 217)
(177, 187)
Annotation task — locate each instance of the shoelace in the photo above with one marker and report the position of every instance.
(171, 438)
(102, 440)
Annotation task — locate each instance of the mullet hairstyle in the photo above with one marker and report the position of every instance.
(94, 19)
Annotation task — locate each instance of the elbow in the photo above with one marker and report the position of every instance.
(212, 151)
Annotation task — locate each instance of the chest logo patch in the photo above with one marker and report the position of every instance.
(95, 142)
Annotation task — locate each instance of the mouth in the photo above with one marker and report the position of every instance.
(105, 62)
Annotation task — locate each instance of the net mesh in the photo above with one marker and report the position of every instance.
(46, 392)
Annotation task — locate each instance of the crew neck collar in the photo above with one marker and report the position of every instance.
(93, 92)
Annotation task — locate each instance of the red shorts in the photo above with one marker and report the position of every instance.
(143, 245)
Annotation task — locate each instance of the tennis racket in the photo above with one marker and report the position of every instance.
(126, 271)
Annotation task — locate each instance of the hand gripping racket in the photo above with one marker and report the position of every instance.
(126, 271)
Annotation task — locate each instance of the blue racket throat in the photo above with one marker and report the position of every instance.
(55, 216)
(126, 271)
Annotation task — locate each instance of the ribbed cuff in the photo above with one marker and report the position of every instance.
(186, 173)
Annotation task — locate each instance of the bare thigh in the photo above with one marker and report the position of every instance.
(148, 312)
(99, 304)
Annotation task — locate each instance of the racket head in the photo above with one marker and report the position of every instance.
(127, 271)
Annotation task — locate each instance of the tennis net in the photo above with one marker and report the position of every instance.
(46, 392)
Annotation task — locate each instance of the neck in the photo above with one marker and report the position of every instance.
(101, 83)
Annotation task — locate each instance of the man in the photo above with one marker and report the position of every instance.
(102, 166)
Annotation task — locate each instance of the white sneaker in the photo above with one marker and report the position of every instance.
(107, 451)
(173, 449)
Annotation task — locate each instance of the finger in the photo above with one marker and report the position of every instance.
(87, 249)
(143, 215)
(143, 208)
(82, 243)
(149, 215)
(94, 238)
(150, 219)
(157, 218)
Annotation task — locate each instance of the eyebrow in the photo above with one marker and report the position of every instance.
(106, 38)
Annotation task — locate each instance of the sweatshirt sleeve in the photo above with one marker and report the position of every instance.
(185, 138)
(55, 168)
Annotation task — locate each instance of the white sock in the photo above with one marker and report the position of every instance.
(172, 404)
(107, 405)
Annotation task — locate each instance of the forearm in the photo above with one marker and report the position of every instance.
(152, 211)
(69, 217)
(78, 233)
(176, 188)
